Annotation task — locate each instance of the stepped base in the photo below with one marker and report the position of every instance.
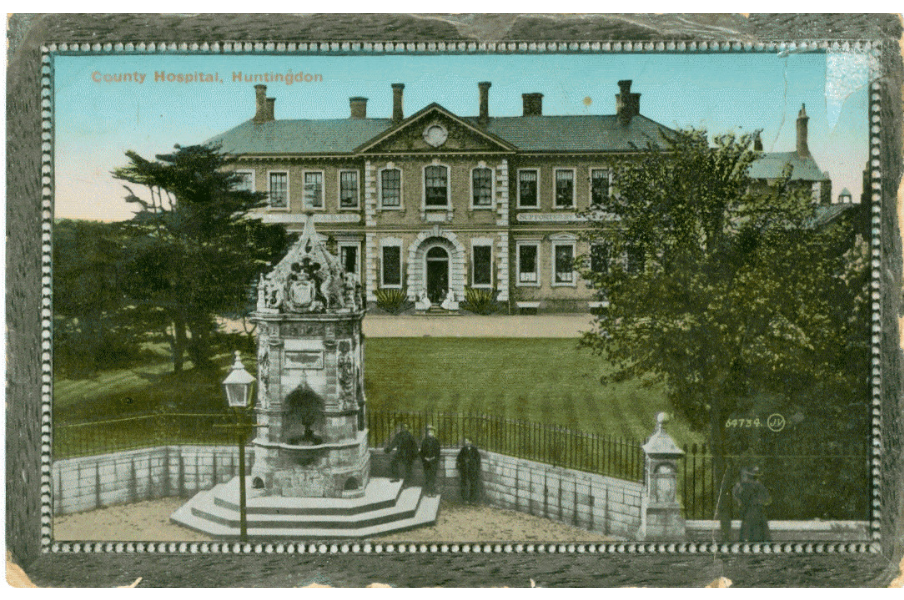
(385, 507)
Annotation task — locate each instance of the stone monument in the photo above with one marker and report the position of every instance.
(310, 401)
(660, 512)
(311, 471)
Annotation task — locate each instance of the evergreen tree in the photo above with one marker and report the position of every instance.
(193, 248)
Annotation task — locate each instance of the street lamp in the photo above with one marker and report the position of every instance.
(238, 395)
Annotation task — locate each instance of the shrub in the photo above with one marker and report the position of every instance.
(392, 301)
(482, 302)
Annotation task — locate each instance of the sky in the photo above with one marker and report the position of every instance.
(97, 121)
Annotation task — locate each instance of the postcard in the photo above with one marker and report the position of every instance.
(372, 297)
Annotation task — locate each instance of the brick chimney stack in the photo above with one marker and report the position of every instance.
(627, 104)
(358, 107)
(803, 150)
(484, 118)
(263, 105)
(271, 109)
(757, 142)
(397, 114)
(533, 104)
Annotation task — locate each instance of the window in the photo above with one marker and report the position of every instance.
(313, 189)
(634, 260)
(244, 181)
(348, 189)
(528, 263)
(816, 192)
(599, 258)
(563, 264)
(436, 186)
(482, 267)
(481, 187)
(391, 188)
(564, 188)
(392, 266)
(279, 190)
(348, 254)
(527, 188)
(599, 187)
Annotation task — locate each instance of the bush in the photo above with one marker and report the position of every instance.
(392, 301)
(481, 302)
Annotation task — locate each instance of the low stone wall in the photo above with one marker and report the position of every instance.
(92, 482)
(593, 502)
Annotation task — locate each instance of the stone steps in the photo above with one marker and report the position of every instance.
(215, 512)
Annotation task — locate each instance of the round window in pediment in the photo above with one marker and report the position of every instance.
(436, 135)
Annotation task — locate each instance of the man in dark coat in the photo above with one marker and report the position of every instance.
(406, 451)
(430, 454)
(752, 497)
(468, 463)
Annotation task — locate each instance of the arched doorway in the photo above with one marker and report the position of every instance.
(437, 274)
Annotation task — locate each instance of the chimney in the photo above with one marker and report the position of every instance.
(757, 142)
(803, 150)
(358, 107)
(533, 104)
(260, 97)
(484, 118)
(271, 104)
(627, 105)
(397, 114)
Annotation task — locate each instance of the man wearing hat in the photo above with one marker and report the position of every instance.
(430, 454)
(406, 451)
(752, 497)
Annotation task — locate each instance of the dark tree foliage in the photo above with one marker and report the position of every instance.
(93, 325)
(193, 249)
(730, 291)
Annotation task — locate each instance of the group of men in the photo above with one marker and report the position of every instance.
(406, 451)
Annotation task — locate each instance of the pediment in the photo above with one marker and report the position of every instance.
(435, 129)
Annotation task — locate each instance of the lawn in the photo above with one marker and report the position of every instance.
(543, 380)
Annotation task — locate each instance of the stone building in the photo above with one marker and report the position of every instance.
(804, 171)
(434, 202)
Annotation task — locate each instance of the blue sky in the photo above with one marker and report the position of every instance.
(96, 122)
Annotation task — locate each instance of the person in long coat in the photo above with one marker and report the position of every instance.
(430, 455)
(752, 498)
(406, 451)
(468, 463)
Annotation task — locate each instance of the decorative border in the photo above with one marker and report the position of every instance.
(349, 47)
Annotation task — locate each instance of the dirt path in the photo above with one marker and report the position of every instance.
(546, 326)
(149, 521)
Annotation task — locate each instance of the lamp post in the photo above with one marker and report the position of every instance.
(238, 395)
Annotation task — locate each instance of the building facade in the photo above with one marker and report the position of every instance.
(434, 203)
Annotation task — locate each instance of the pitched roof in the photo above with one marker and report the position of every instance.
(771, 165)
(577, 132)
(302, 136)
(580, 133)
(826, 213)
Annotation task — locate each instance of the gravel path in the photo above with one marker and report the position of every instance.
(548, 326)
(149, 521)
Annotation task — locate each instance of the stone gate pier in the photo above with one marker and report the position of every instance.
(311, 472)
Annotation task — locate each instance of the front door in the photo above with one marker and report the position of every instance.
(437, 274)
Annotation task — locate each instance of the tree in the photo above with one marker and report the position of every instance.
(722, 287)
(193, 249)
(93, 326)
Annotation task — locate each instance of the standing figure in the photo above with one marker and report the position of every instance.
(406, 451)
(752, 497)
(430, 455)
(468, 463)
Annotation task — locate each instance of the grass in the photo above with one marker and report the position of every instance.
(543, 380)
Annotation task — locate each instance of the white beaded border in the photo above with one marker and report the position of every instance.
(47, 543)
